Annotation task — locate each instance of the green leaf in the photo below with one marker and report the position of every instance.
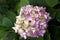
(8, 18)
(7, 22)
(11, 15)
(2, 1)
(47, 36)
(10, 36)
(2, 34)
(51, 3)
(57, 33)
(1, 19)
(2, 26)
(30, 38)
(58, 15)
(37, 2)
(52, 12)
(39, 38)
(22, 3)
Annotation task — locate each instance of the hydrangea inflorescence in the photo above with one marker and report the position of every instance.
(32, 21)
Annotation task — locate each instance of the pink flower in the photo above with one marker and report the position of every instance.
(32, 21)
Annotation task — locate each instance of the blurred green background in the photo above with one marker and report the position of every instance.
(9, 9)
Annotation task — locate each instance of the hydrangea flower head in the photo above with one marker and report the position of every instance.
(32, 21)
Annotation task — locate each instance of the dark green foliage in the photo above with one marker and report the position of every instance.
(9, 36)
(58, 15)
(38, 2)
(51, 3)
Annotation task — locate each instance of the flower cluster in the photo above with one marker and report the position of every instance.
(32, 21)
